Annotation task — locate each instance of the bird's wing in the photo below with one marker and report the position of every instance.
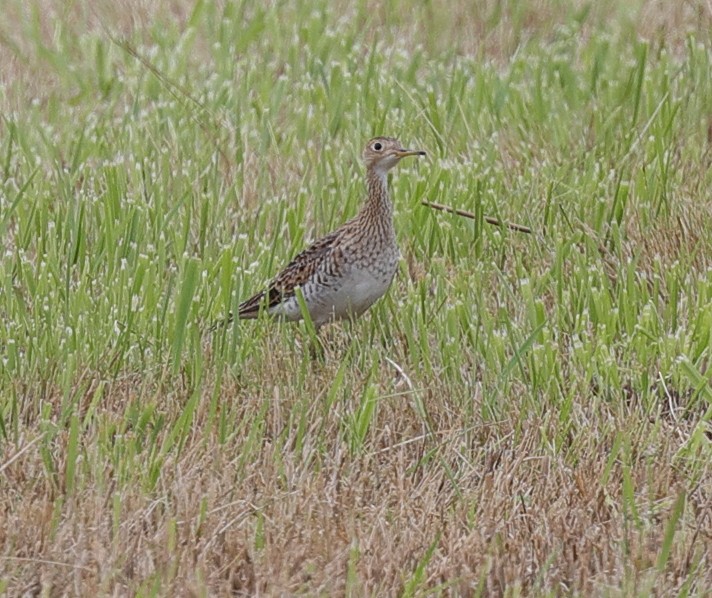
(294, 275)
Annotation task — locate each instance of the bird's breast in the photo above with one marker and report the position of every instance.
(358, 289)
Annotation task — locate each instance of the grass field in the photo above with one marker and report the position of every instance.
(521, 415)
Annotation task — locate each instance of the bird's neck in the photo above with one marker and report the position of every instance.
(378, 202)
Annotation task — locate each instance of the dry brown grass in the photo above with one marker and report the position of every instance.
(499, 511)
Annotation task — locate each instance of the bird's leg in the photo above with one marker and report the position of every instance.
(317, 350)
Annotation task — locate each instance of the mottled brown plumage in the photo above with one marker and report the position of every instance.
(295, 274)
(342, 274)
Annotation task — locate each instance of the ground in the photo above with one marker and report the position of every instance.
(523, 414)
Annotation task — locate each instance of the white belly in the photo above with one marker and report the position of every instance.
(359, 291)
(348, 296)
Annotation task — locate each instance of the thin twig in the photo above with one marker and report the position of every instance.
(19, 453)
(179, 92)
(517, 227)
(22, 559)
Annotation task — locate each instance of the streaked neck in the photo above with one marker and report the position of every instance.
(378, 197)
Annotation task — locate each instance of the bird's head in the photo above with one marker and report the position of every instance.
(383, 153)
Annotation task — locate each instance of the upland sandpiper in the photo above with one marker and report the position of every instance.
(342, 274)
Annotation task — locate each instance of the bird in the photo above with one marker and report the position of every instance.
(345, 272)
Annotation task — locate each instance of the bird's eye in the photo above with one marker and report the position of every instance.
(377, 146)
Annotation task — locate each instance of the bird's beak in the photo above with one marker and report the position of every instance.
(402, 153)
